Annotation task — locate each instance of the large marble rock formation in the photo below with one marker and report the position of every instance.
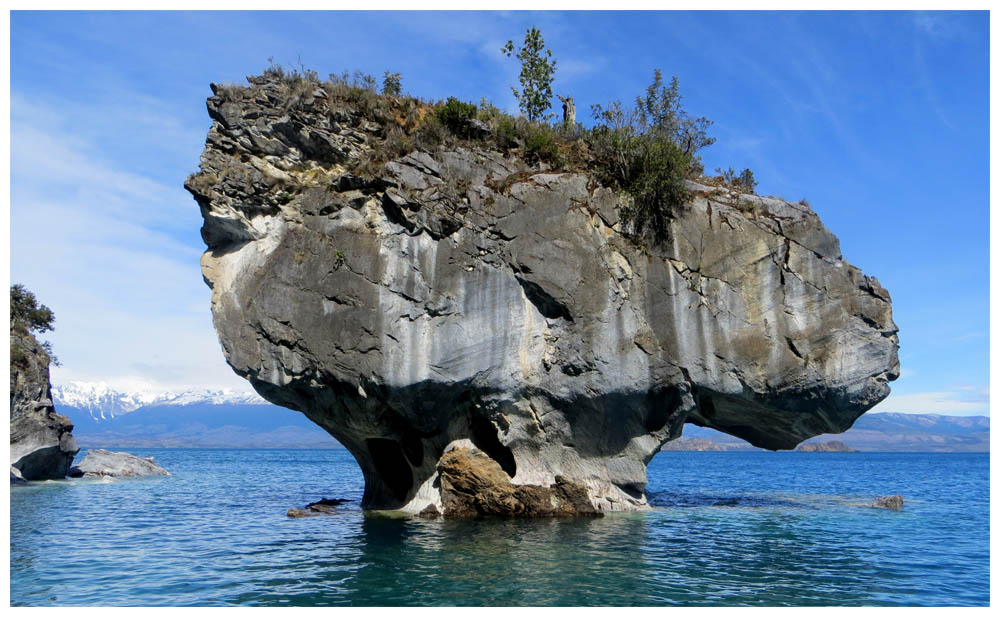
(42, 446)
(458, 295)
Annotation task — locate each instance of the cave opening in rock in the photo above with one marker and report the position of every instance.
(391, 465)
(413, 447)
(661, 403)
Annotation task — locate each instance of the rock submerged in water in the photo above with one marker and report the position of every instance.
(105, 464)
(323, 506)
(891, 502)
(460, 296)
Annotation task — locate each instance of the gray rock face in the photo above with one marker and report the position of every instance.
(41, 441)
(102, 463)
(463, 296)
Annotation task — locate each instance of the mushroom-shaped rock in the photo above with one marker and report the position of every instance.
(457, 297)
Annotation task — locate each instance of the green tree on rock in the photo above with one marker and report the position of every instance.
(537, 70)
(26, 314)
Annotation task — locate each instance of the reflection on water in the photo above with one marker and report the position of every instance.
(500, 562)
(388, 561)
(215, 533)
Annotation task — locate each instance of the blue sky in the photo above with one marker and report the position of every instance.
(880, 120)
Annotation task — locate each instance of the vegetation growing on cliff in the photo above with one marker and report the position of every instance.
(28, 317)
(392, 84)
(743, 180)
(647, 152)
(26, 313)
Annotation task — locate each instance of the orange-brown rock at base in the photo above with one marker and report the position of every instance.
(474, 485)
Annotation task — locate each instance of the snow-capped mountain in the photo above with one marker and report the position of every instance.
(103, 402)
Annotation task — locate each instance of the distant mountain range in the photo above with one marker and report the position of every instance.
(108, 418)
(878, 432)
(104, 417)
(103, 402)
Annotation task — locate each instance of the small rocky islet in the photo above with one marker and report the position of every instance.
(833, 445)
(104, 464)
(42, 446)
(481, 330)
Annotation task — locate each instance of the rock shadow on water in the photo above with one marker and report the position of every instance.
(668, 499)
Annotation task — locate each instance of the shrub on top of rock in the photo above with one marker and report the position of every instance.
(457, 117)
(541, 147)
(743, 181)
(648, 153)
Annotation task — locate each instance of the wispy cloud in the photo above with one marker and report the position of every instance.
(828, 89)
(937, 25)
(569, 70)
(961, 403)
(927, 84)
(970, 336)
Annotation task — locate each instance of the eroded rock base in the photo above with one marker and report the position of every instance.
(474, 485)
(42, 446)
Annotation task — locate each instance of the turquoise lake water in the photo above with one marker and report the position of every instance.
(728, 529)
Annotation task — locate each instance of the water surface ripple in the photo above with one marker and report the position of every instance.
(727, 529)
